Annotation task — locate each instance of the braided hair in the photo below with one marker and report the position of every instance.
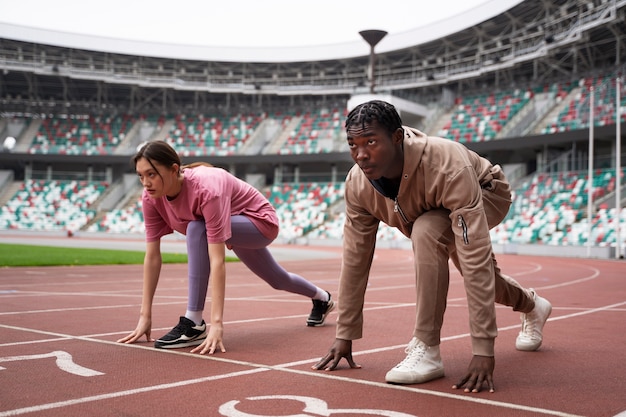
(375, 110)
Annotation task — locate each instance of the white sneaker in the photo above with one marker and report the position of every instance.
(422, 364)
(531, 335)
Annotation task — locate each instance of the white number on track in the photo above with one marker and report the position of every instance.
(314, 406)
(64, 362)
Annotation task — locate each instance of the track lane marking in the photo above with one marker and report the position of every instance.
(286, 367)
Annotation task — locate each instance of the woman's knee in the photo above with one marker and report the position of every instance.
(196, 235)
(196, 227)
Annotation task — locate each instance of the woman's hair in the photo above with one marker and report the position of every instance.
(162, 153)
(375, 110)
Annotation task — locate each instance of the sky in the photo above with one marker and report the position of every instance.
(231, 23)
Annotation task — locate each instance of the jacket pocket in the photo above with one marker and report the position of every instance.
(461, 223)
(470, 226)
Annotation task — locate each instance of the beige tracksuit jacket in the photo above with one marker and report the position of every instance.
(438, 174)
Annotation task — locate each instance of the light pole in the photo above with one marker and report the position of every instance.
(372, 37)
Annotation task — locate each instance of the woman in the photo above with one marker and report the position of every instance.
(214, 209)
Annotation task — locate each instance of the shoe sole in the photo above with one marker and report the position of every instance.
(312, 323)
(175, 345)
(403, 379)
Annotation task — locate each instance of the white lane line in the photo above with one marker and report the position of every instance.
(125, 393)
(57, 310)
(596, 274)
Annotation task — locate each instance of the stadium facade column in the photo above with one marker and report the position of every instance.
(590, 173)
(618, 169)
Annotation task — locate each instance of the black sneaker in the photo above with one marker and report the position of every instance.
(320, 311)
(186, 333)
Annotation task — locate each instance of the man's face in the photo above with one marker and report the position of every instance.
(377, 153)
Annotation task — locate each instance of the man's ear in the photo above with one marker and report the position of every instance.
(398, 136)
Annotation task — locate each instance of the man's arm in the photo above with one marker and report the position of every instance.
(474, 252)
(359, 241)
(358, 251)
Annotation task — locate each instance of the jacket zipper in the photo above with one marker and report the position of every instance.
(463, 225)
(397, 209)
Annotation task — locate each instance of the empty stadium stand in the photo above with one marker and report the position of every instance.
(551, 208)
(81, 135)
(45, 205)
(125, 220)
(211, 135)
(516, 87)
(576, 113)
(315, 133)
(303, 207)
(482, 117)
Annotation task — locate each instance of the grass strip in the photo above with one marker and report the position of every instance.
(34, 255)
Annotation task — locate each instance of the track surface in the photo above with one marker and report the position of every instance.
(58, 355)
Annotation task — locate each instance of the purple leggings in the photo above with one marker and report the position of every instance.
(250, 246)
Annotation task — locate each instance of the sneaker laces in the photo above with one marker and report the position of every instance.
(320, 306)
(415, 352)
(529, 322)
(181, 327)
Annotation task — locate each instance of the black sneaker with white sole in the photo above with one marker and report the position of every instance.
(320, 311)
(186, 333)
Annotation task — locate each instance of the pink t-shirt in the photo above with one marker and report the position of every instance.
(212, 194)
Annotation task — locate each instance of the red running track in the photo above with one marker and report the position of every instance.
(58, 355)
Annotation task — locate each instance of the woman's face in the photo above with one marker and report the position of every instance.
(160, 182)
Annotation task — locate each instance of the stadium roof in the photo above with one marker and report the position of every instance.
(407, 24)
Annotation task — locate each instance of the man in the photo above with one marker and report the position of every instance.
(445, 198)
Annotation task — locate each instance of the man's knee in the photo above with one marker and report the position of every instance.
(432, 227)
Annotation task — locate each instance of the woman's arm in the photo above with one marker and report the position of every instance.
(217, 281)
(151, 270)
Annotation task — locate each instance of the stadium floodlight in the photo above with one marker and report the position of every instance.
(372, 37)
(9, 143)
